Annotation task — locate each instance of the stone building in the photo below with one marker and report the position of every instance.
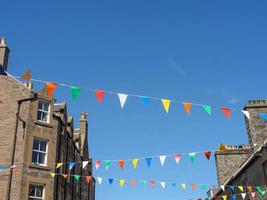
(245, 165)
(43, 135)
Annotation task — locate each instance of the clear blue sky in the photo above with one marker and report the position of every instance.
(202, 51)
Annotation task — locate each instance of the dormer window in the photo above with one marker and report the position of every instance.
(43, 111)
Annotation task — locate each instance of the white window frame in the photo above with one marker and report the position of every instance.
(39, 151)
(43, 111)
(35, 197)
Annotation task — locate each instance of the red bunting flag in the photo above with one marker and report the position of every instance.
(226, 112)
(88, 178)
(187, 107)
(133, 182)
(121, 163)
(65, 175)
(99, 95)
(152, 184)
(207, 154)
(50, 87)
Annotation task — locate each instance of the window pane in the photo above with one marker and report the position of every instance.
(44, 117)
(43, 145)
(45, 106)
(31, 190)
(41, 159)
(35, 144)
(39, 191)
(39, 115)
(40, 105)
(34, 157)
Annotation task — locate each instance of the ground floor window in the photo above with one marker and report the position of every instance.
(36, 192)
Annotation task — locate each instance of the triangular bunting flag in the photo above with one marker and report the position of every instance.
(234, 197)
(133, 182)
(107, 164)
(53, 174)
(144, 183)
(232, 188)
(97, 164)
(207, 108)
(246, 113)
(76, 177)
(207, 154)
(99, 179)
(207, 198)
(163, 184)
(135, 162)
(177, 158)
(27, 75)
(263, 115)
(162, 159)
(121, 163)
(224, 197)
(88, 178)
(223, 187)
(75, 91)
(146, 100)
(85, 164)
(192, 156)
(166, 104)
(243, 195)
(173, 184)
(226, 112)
(71, 165)
(122, 98)
(249, 188)
(99, 95)
(203, 187)
(241, 188)
(50, 87)
(65, 175)
(253, 194)
(261, 191)
(59, 165)
(152, 184)
(193, 186)
(148, 161)
(187, 107)
(122, 181)
(110, 180)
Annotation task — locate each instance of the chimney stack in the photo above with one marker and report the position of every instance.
(4, 52)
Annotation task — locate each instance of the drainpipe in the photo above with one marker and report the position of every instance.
(14, 142)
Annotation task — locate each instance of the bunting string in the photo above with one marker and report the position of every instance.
(75, 91)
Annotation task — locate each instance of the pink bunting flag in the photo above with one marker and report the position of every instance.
(226, 112)
(88, 178)
(133, 182)
(152, 184)
(177, 158)
(99, 95)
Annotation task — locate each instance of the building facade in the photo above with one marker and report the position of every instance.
(43, 135)
(245, 165)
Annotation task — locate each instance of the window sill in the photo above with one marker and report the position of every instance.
(43, 124)
(36, 166)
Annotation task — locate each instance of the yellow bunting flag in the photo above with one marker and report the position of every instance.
(241, 188)
(166, 104)
(122, 181)
(187, 107)
(224, 197)
(183, 185)
(59, 165)
(27, 75)
(135, 162)
(52, 174)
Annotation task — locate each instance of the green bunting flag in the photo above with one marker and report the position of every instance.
(76, 177)
(144, 183)
(261, 191)
(207, 108)
(107, 164)
(75, 91)
(192, 156)
(203, 187)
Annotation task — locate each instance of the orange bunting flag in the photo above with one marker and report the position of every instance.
(133, 182)
(152, 184)
(27, 75)
(65, 175)
(121, 163)
(193, 186)
(226, 112)
(166, 104)
(50, 87)
(88, 178)
(135, 162)
(52, 174)
(99, 95)
(249, 188)
(187, 107)
(207, 154)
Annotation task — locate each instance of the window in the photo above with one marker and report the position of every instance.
(43, 111)
(39, 151)
(36, 192)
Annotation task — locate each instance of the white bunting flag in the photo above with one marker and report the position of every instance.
(163, 184)
(99, 179)
(162, 159)
(246, 113)
(223, 187)
(122, 98)
(85, 164)
(243, 195)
